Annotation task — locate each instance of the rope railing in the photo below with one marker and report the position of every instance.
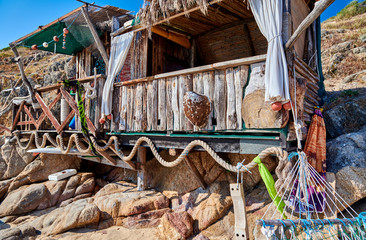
(113, 142)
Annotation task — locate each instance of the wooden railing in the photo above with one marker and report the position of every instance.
(26, 118)
(156, 103)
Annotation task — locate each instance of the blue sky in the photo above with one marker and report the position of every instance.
(20, 17)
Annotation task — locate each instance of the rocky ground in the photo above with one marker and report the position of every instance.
(102, 202)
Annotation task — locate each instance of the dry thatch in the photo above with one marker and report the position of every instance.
(155, 10)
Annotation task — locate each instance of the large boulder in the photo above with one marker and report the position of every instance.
(122, 199)
(347, 150)
(13, 160)
(346, 117)
(175, 226)
(79, 214)
(39, 169)
(351, 184)
(48, 194)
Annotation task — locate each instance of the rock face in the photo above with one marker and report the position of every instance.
(13, 160)
(347, 150)
(119, 200)
(48, 194)
(347, 117)
(175, 226)
(351, 184)
(39, 169)
(78, 214)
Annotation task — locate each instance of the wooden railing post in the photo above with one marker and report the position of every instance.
(141, 174)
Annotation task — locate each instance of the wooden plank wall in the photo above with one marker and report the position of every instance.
(158, 105)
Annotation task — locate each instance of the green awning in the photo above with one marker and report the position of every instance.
(78, 38)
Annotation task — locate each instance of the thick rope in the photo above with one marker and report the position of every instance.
(74, 139)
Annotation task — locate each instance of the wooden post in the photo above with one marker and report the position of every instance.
(319, 8)
(141, 174)
(24, 77)
(95, 36)
(241, 224)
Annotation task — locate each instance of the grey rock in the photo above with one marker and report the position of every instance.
(359, 50)
(346, 117)
(347, 150)
(363, 38)
(341, 47)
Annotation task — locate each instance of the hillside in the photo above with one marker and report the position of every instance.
(344, 49)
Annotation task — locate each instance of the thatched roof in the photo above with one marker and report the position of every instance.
(155, 10)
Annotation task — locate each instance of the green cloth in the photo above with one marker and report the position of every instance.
(270, 185)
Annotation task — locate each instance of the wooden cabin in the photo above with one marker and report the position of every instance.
(215, 50)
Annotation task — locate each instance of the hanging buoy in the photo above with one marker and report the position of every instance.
(276, 106)
(55, 38)
(34, 47)
(109, 117)
(45, 45)
(66, 31)
(287, 106)
(102, 121)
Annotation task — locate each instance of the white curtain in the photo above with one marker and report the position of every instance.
(268, 15)
(119, 50)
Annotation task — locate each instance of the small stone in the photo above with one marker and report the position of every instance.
(175, 226)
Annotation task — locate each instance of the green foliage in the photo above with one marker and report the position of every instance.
(5, 49)
(352, 9)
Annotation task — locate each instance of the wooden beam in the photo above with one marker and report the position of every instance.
(130, 163)
(43, 115)
(16, 118)
(47, 111)
(320, 6)
(174, 37)
(67, 119)
(241, 223)
(30, 115)
(24, 77)
(107, 157)
(141, 174)
(196, 174)
(95, 36)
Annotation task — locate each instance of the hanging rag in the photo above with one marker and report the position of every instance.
(315, 150)
(268, 16)
(270, 185)
(120, 47)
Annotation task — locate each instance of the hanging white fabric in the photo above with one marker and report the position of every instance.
(268, 15)
(119, 49)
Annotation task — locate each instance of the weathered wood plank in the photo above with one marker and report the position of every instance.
(130, 107)
(144, 107)
(138, 108)
(30, 115)
(182, 90)
(231, 98)
(240, 79)
(169, 109)
(123, 113)
(43, 115)
(208, 90)
(175, 104)
(161, 105)
(198, 88)
(220, 100)
(67, 120)
(152, 106)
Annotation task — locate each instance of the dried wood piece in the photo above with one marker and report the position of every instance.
(161, 105)
(169, 109)
(231, 97)
(198, 88)
(17, 115)
(208, 90)
(220, 100)
(175, 104)
(182, 90)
